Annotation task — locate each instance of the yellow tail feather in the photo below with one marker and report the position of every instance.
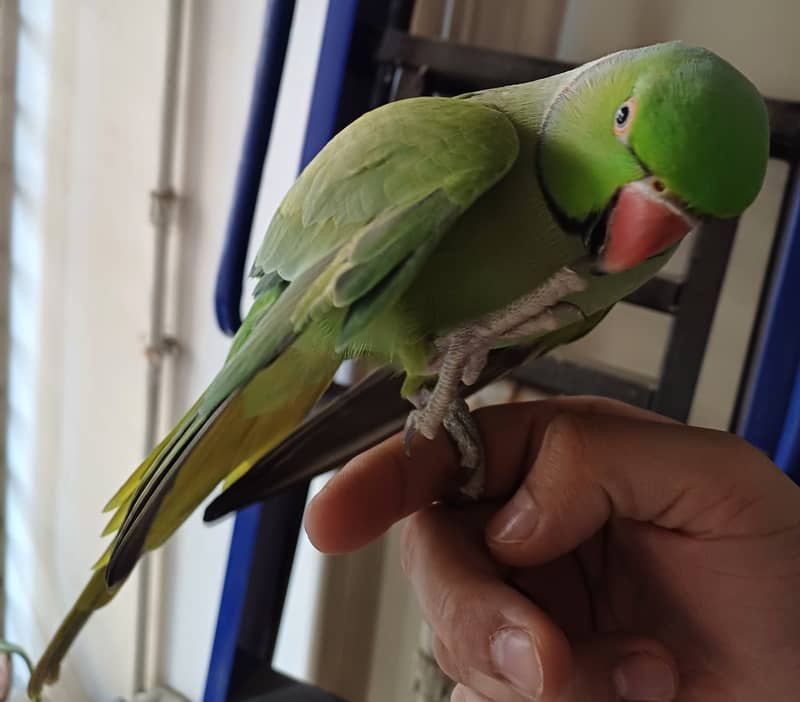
(128, 488)
(116, 519)
(94, 596)
(256, 419)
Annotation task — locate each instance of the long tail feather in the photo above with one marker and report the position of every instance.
(94, 596)
(183, 470)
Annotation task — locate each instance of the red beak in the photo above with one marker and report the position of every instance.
(643, 223)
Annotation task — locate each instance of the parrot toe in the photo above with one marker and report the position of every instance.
(463, 430)
(460, 425)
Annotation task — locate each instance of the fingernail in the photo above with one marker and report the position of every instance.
(516, 659)
(644, 678)
(516, 521)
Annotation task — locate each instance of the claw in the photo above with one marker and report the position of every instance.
(410, 432)
(474, 487)
(460, 357)
(474, 367)
(460, 425)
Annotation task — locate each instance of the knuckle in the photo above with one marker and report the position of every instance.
(449, 608)
(564, 442)
(563, 465)
(444, 659)
(742, 449)
(408, 544)
(465, 626)
(736, 458)
(447, 638)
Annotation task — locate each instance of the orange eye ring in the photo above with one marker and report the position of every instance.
(623, 118)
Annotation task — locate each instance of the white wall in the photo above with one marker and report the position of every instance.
(89, 91)
(80, 252)
(756, 37)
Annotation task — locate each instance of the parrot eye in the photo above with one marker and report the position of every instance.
(623, 119)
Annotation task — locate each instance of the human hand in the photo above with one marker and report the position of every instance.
(638, 559)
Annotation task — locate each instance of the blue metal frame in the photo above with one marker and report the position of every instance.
(269, 69)
(787, 455)
(771, 416)
(331, 67)
(223, 650)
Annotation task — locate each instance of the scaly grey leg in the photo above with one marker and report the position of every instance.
(462, 357)
(459, 423)
(463, 430)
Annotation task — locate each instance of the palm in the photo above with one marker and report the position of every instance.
(698, 597)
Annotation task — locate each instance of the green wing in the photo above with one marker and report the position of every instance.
(362, 218)
(377, 200)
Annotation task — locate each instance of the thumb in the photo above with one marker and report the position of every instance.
(590, 468)
(604, 668)
(609, 668)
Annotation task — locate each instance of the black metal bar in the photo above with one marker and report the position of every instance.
(269, 686)
(658, 294)
(554, 375)
(784, 125)
(295, 692)
(398, 19)
(278, 528)
(408, 82)
(692, 326)
(482, 66)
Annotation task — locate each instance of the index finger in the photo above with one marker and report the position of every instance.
(383, 485)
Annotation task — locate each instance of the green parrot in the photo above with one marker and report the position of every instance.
(447, 239)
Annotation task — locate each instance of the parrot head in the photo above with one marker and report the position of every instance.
(637, 148)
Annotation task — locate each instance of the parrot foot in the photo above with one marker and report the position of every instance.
(462, 356)
(548, 320)
(463, 430)
(420, 419)
(459, 423)
(539, 311)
